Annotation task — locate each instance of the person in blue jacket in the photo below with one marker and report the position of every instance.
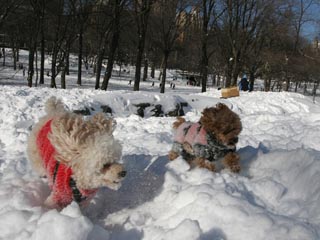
(244, 84)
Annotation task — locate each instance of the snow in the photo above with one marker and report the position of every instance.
(275, 196)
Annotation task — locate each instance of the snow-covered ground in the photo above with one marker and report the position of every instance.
(275, 196)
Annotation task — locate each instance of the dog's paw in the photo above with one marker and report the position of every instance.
(50, 203)
(232, 161)
(172, 155)
(203, 163)
(235, 168)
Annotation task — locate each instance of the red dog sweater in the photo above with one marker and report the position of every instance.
(59, 175)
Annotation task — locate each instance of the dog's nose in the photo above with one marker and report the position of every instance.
(122, 174)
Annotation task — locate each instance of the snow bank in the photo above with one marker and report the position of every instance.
(276, 196)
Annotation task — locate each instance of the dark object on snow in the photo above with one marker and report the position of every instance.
(244, 84)
(178, 111)
(141, 107)
(157, 111)
(106, 109)
(85, 112)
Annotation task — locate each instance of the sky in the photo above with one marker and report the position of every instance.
(276, 195)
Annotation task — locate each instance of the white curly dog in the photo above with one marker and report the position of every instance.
(77, 156)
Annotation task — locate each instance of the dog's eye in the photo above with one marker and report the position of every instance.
(234, 140)
(106, 166)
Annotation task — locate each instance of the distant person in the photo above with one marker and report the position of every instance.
(130, 82)
(152, 85)
(244, 84)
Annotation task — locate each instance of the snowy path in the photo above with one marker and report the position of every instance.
(276, 196)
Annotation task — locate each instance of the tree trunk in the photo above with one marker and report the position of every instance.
(204, 39)
(287, 84)
(113, 45)
(68, 61)
(164, 72)
(112, 51)
(153, 70)
(204, 57)
(14, 53)
(31, 66)
(138, 64)
(37, 70)
(42, 50)
(63, 77)
(314, 91)
(53, 69)
(267, 84)
(99, 68)
(17, 54)
(228, 76)
(145, 70)
(251, 81)
(296, 87)
(80, 56)
(235, 73)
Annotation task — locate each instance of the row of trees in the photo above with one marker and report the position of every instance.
(218, 37)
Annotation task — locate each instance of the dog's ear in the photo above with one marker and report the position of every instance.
(221, 106)
(68, 133)
(176, 124)
(103, 124)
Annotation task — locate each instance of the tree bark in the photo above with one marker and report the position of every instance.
(164, 72)
(113, 45)
(145, 70)
(63, 77)
(142, 10)
(251, 81)
(153, 70)
(80, 56)
(138, 63)
(53, 69)
(99, 68)
(42, 50)
(31, 66)
(14, 58)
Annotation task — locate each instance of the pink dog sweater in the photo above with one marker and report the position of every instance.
(203, 144)
(59, 175)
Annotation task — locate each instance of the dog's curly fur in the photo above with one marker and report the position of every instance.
(87, 147)
(222, 123)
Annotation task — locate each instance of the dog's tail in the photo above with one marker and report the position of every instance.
(177, 123)
(54, 106)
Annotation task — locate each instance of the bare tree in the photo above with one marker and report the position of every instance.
(209, 17)
(60, 21)
(81, 10)
(170, 20)
(98, 35)
(7, 7)
(236, 32)
(141, 13)
(117, 7)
